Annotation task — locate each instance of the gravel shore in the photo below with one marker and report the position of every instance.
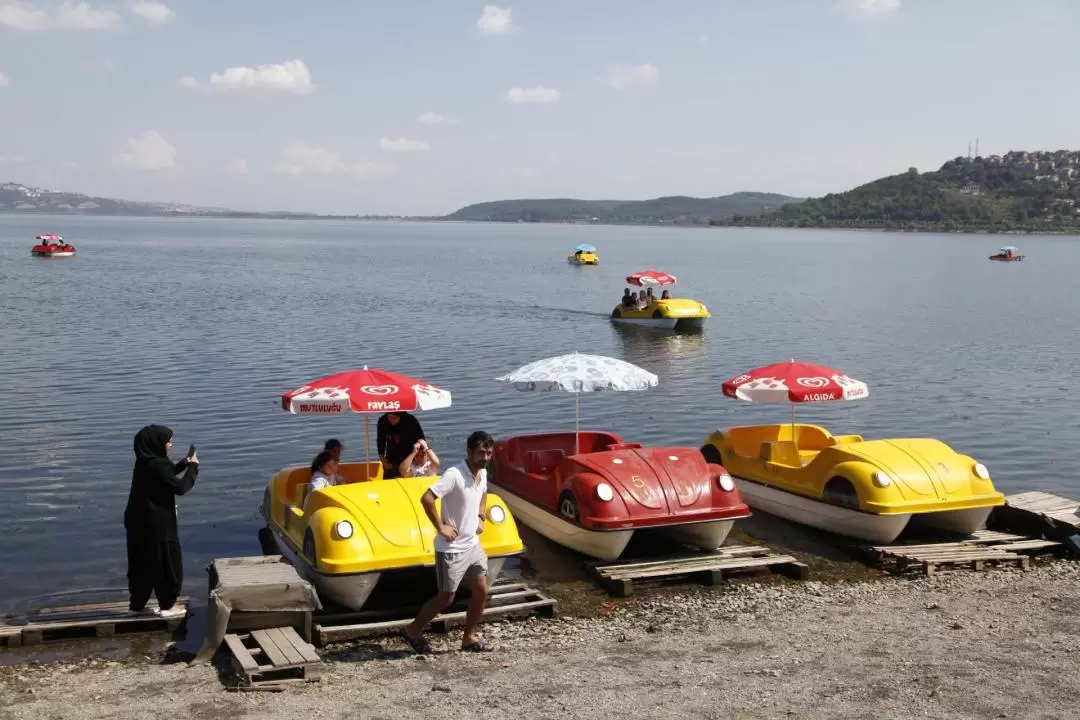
(994, 644)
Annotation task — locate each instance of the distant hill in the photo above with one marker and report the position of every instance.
(1016, 192)
(677, 209)
(26, 199)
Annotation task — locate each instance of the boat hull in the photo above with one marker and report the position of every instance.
(962, 522)
(352, 591)
(610, 544)
(52, 254)
(880, 529)
(600, 544)
(663, 323)
(706, 536)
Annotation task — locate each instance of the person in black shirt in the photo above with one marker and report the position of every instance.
(153, 543)
(395, 435)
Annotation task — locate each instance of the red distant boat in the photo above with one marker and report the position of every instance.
(1008, 253)
(52, 245)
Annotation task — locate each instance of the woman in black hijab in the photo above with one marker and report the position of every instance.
(153, 543)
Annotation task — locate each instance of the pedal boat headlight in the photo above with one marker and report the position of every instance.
(344, 529)
(604, 492)
(882, 480)
(496, 514)
(725, 482)
(981, 472)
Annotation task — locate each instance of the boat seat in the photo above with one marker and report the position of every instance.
(842, 439)
(300, 492)
(781, 452)
(542, 462)
(624, 446)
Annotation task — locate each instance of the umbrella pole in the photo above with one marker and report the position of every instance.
(367, 447)
(577, 423)
(793, 438)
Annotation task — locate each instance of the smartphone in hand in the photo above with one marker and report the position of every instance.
(191, 451)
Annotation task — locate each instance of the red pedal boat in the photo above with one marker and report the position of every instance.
(1009, 253)
(51, 245)
(594, 500)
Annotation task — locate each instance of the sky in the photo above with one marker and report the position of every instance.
(418, 107)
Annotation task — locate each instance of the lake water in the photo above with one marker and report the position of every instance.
(202, 324)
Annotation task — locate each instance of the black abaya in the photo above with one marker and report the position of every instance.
(155, 564)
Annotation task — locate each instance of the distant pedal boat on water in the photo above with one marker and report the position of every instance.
(51, 245)
(1009, 253)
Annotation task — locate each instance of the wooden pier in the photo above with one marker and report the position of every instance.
(1039, 514)
(506, 599)
(272, 658)
(983, 549)
(618, 577)
(65, 622)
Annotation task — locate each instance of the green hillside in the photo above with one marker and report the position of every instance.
(678, 209)
(1019, 191)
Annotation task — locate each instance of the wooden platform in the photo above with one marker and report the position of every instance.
(1039, 514)
(506, 599)
(617, 578)
(66, 622)
(985, 548)
(271, 658)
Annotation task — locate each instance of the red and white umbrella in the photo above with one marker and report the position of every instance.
(650, 277)
(795, 382)
(364, 391)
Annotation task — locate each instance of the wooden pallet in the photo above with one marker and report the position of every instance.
(1041, 515)
(272, 658)
(984, 548)
(617, 578)
(65, 622)
(506, 599)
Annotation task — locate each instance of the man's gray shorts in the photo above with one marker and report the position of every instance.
(452, 568)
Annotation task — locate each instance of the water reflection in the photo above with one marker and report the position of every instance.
(666, 353)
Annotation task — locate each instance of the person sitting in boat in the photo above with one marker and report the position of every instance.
(649, 296)
(335, 448)
(421, 462)
(628, 299)
(665, 296)
(642, 300)
(395, 434)
(324, 473)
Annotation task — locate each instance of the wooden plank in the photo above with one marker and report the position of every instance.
(285, 645)
(113, 605)
(302, 648)
(732, 564)
(270, 648)
(377, 627)
(493, 600)
(724, 553)
(241, 653)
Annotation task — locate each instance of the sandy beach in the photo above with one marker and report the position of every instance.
(995, 644)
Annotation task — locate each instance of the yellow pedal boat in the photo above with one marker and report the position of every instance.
(867, 489)
(584, 255)
(666, 313)
(349, 535)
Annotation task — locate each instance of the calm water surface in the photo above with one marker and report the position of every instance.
(202, 324)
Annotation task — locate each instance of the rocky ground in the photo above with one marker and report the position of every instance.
(995, 644)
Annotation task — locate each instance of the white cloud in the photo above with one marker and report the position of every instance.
(189, 82)
(621, 77)
(237, 167)
(434, 118)
(22, 16)
(300, 159)
(4, 80)
(533, 95)
(868, 8)
(291, 76)
(155, 13)
(18, 16)
(403, 145)
(496, 21)
(148, 151)
(84, 17)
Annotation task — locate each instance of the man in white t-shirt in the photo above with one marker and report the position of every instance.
(459, 556)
